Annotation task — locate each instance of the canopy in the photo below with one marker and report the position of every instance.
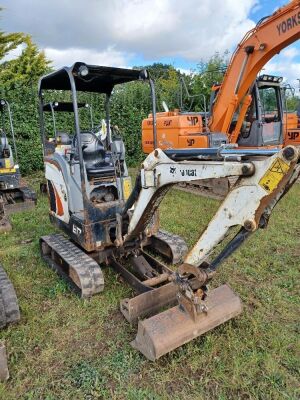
(63, 106)
(90, 78)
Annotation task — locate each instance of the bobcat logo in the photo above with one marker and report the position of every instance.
(172, 170)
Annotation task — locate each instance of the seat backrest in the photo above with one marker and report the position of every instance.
(92, 149)
(63, 138)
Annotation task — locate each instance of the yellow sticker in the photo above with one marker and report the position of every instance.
(273, 176)
(7, 170)
(7, 163)
(127, 187)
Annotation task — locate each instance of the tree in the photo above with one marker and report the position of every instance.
(9, 42)
(206, 75)
(25, 69)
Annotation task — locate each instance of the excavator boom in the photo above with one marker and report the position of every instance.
(269, 37)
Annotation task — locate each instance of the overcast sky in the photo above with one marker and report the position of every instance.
(136, 32)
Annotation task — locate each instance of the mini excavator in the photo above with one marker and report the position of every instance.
(15, 196)
(107, 223)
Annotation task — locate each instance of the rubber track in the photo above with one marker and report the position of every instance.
(204, 191)
(200, 191)
(9, 308)
(87, 269)
(176, 243)
(28, 193)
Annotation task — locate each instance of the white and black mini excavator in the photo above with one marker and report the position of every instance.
(15, 196)
(105, 222)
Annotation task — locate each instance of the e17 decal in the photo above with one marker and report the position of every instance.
(77, 230)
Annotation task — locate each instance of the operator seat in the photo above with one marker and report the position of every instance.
(63, 138)
(98, 162)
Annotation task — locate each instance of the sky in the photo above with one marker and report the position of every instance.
(128, 33)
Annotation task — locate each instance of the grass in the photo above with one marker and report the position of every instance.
(66, 348)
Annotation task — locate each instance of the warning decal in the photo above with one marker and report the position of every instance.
(273, 176)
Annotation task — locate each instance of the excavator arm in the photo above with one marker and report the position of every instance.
(269, 37)
(263, 175)
(264, 178)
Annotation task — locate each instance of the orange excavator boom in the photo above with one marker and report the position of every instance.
(269, 37)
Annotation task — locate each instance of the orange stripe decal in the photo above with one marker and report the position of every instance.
(59, 206)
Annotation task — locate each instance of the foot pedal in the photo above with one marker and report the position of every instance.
(174, 327)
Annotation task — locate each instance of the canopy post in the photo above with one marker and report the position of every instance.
(153, 98)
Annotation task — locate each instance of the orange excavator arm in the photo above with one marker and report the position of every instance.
(258, 46)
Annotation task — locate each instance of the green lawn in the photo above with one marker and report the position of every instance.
(66, 348)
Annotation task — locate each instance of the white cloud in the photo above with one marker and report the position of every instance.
(186, 71)
(14, 53)
(285, 64)
(68, 56)
(290, 52)
(153, 29)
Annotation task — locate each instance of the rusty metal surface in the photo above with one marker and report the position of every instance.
(174, 327)
(138, 280)
(156, 280)
(130, 278)
(148, 303)
(142, 267)
(27, 205)
(150, 209)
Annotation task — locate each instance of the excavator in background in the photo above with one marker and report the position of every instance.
(15, 196)
(108, 223)
(237, 113)
(291, 123)
(292, 128)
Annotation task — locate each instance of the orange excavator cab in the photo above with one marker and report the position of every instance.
(175, 130)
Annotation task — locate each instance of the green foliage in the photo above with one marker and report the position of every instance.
(9, 42)
(292, 103)
(24, 107)
(206, 75)
(19, 79)
(25, 69)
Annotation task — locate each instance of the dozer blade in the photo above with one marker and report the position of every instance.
(148, 303)
(27, 205)
(174, 327)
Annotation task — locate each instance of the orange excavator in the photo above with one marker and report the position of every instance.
(291, 125)
(239, 113)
